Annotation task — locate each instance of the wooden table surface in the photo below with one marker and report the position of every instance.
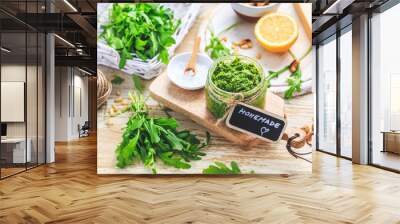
(265, 158)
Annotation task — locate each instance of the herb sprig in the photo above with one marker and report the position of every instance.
(294, 80)
(216, 48)
(147, 139)
(221, 168)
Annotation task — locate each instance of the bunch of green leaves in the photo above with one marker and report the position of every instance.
(147, 139)
(221, 168)
(216, 48)
(142, 29)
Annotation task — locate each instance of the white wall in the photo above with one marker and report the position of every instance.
(33, 126)
(12, 73)
(61, 103)
(70, 83)
(81, 102)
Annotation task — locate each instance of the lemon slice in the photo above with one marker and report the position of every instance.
(276, 32)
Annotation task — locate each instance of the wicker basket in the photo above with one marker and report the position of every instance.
(104, 88)
(107, 56)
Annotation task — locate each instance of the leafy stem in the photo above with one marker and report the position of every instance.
(216, 48)
(147, 139)
(294, 80)
(221, 168)
(275, 74)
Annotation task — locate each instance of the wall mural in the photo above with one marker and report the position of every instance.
(204, 88)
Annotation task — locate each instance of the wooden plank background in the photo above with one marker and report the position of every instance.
(265, 158)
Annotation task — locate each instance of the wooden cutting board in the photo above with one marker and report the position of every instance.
(193, 105)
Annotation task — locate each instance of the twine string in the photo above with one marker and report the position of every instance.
(235, 99)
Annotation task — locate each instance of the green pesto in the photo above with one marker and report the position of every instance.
(236, 76)
(239, 75)
(218, 107)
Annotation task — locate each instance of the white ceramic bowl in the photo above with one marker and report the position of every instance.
(176, 67)
(247, 10)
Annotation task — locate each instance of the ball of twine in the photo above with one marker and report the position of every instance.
(104, 88)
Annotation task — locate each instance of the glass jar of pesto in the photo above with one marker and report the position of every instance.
(233, 79)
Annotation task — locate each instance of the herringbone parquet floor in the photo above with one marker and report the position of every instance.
(69, 191)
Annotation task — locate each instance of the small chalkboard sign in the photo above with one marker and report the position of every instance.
(256, 122)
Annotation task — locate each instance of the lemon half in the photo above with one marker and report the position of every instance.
(276, 32)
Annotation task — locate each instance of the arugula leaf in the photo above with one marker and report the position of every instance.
(216, 48)
(166, 39)
(166, 122)
(294, 82)
(151, 160)
(164, 56)
(152, 131)
(148, 139)
(124, 55)
(154, 44)
(170, 160)
(135, 123)
(126, 153)
(235, 167)
(173, 140)
(221, 168)
(140, 44)
(116, 43)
